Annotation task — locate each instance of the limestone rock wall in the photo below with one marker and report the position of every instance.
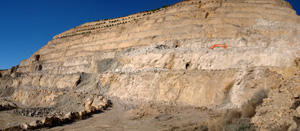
(246, 26)
(163, 55)
(194, 88)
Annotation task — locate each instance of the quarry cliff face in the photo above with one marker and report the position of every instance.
(163, 55)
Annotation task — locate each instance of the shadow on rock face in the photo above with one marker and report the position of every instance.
(107, 64)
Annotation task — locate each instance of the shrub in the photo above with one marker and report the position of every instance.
(248, 109)
(238, 120)
(242, 124)
(230, 120)
(226, 118)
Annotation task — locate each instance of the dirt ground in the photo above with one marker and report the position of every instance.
(123, 116)
(8, 117)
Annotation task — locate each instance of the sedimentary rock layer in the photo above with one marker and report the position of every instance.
(163, 55)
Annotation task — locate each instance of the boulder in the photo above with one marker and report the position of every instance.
(25, 126)
(36, 124)
(83, 114)
(47, 121)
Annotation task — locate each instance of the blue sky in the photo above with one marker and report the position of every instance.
(27, 25)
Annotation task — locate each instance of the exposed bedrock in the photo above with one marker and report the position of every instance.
(162, 56)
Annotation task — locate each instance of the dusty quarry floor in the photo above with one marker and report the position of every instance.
(124, 116)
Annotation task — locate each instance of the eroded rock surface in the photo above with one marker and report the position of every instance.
(161, 56)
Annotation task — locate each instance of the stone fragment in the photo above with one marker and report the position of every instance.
(87, 105)
(93, 109)
(100, 97)
(7, 105)
(82, 114)
(75, 116)
(99, 107)
(47, 121)
(11, 125)
(36, 124)
(56, 120)
(25, 126)
(68, 115)
(105, 102)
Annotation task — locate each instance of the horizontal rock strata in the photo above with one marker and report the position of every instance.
(162, 56)
(173, 41)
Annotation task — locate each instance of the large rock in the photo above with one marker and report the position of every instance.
(7, 105)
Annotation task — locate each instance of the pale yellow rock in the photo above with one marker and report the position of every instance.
(88, 104)
(298, 110)
(164, 56)
(69, 81)
(16, 83)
